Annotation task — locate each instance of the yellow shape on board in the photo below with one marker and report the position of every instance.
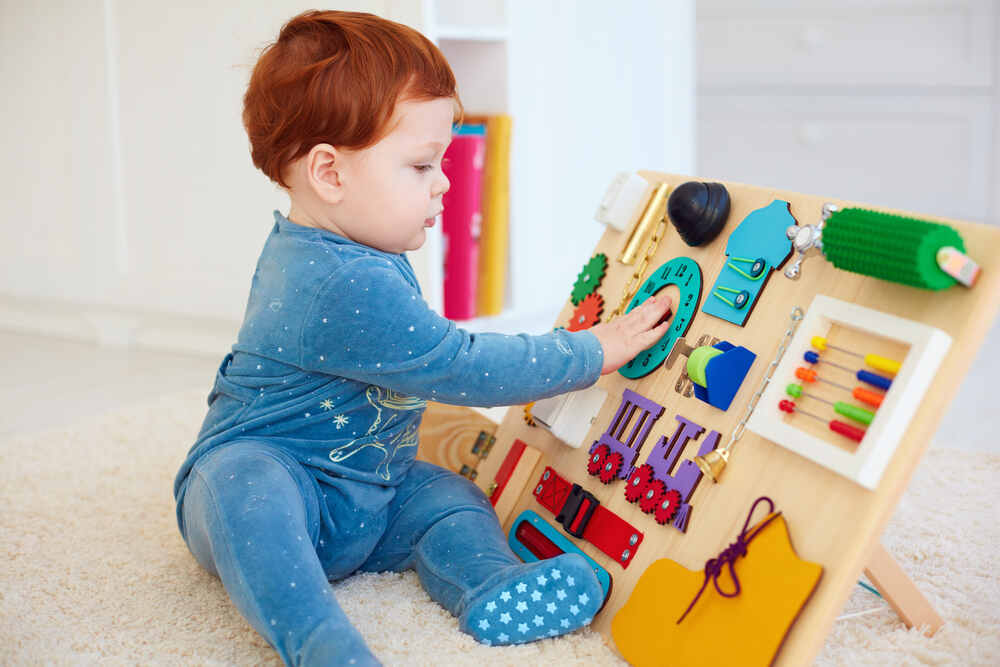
(744, 630)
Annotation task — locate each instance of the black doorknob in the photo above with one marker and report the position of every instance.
(698, 211)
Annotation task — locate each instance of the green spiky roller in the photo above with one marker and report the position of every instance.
(589, 278)
(890, 247)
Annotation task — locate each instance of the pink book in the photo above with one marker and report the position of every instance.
(461, 223)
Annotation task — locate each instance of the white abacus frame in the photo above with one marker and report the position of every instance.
(865, 465)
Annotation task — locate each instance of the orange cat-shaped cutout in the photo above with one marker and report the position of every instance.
(746, 629)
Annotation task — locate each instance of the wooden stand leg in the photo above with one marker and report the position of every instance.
(900, 592)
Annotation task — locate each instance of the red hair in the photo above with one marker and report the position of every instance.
(335, 77)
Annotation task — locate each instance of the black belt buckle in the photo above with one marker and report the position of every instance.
(567, 515)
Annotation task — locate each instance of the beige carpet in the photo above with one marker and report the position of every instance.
(93, 571)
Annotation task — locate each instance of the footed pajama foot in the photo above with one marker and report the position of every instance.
(534, 601)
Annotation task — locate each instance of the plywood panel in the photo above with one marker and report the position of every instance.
(449, 432)
(832, 520)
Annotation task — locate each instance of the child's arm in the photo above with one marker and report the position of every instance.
(369, 324)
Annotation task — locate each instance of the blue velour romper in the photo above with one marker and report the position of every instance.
(304, 472)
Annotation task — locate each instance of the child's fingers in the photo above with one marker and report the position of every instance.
(648, 338)
(654, 309)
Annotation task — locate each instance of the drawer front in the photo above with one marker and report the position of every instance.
(930, 155)
(899, 43)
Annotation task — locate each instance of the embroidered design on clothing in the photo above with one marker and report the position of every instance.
(379, 398)
(340, 421)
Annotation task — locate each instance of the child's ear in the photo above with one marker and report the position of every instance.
(324, 171)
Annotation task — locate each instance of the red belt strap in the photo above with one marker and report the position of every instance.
(582, 516)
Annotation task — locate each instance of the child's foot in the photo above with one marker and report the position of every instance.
(533, 601)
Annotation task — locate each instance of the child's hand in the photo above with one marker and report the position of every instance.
(630, 334)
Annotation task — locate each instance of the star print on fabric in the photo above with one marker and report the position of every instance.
(522, 606)
(327, 404)
(561, 594)
(541, 580)
(570, 581)
(573, 609)
(340, 420)
(550, 607)
(536, 596)
(521, 587)
(583, 598)
(555, 574)
(538, 620)
(564, 623)
(491, 606)
(522, 628)
(505, 618)
(505, 596)
(484, 624)
(503, 637)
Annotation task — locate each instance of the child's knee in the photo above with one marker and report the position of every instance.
(243, 484)
(433, 484)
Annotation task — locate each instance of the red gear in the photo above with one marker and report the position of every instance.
(651, 498)
(587, 314)
(612, 466)
(667, 509)
(596, 462)
(638, 481)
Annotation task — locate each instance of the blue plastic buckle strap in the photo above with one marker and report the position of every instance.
(567, 516)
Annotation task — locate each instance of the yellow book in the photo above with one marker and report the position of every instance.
(496, 216)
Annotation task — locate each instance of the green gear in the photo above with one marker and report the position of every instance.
(589, 278)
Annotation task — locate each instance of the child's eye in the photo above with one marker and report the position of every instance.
(423, 167)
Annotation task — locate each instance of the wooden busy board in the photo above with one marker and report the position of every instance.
(832, 520)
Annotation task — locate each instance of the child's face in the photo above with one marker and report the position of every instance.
(392, 190)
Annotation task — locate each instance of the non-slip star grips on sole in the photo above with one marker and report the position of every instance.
(542, 599)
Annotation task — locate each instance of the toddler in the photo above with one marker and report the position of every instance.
(303, 471)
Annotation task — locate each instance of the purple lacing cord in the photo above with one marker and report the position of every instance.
(713, 568)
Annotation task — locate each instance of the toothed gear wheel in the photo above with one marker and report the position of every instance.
(589, 278)
(529, 419)
(612, 465)
(596, 461)
(667, 509)
(587, 314)
(650, 500)
(638, 481)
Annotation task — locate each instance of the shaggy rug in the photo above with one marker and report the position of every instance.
(93, 571)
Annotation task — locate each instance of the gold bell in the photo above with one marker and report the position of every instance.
(713, 463)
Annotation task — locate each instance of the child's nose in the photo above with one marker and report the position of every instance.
(441, 185)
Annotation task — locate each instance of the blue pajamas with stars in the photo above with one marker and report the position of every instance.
(304, 470)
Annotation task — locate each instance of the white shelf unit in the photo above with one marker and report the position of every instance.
(473, 37)
(593, 89)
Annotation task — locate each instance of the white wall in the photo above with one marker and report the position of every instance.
(134, 212)
(615, 93)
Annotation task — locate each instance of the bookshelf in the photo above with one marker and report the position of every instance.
(592, 90)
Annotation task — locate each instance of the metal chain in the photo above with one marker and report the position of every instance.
(796, 317)
(633, 282)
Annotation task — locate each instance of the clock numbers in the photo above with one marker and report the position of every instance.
(685, 273)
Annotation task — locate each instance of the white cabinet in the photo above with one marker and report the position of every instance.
(846, 43)
(891, 102)
(925, 154)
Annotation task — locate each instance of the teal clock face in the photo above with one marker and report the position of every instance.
(685, 273)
